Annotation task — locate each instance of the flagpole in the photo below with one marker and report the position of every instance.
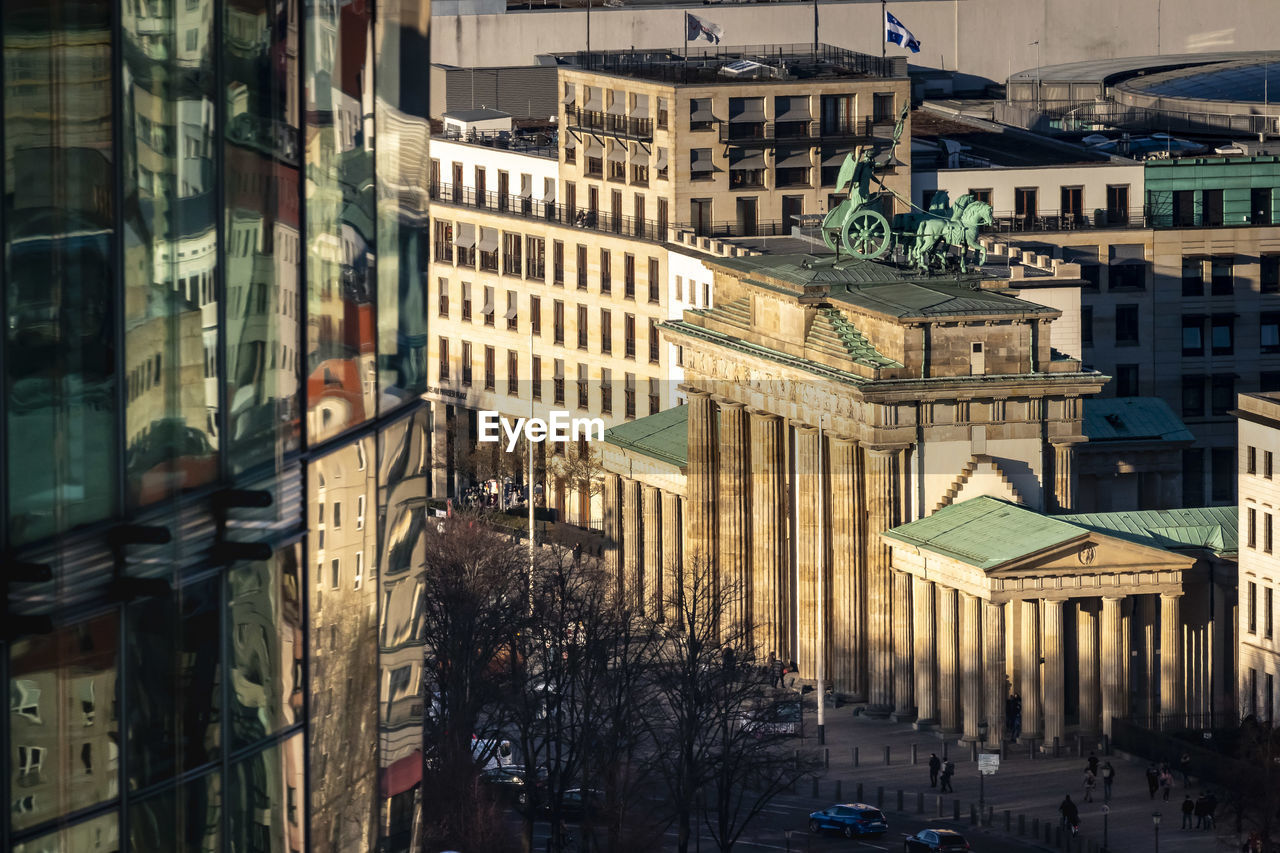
(884, 19)
(815, 26)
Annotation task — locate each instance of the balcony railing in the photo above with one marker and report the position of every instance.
(766, 134)
(530, 208)
(1010, 222)
(623, 127)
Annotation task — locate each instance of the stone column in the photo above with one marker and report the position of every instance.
(654, 571)
(884, 502)
(971, 663)
(1172, 682)
(734, 510)
(612, 500)
(1115, 651)
(1087, 652)
(1054, 672)
(926, 651)
(702, 482)
(672, 554)
(810, 493)
(995, 689)
(1064, 473)
(1029, 670)
(1146, 616)
(948, 661)
(770, 552)
(903, 686)
(633, 544)
(847, 570)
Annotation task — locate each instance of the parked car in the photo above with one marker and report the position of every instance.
(853, 819)
(779, 718)
(507, 782)
(947, 840)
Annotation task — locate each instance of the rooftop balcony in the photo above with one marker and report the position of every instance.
(609, 124)
(767, 134)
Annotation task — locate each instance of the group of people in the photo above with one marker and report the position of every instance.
(1091, 775)
(1201, 808)
(1160, 780)
(940, 771)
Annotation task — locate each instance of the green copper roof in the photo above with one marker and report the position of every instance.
(664, 436)
(985, 532)
(1132, 419)
(1212, 528)
(832, 332)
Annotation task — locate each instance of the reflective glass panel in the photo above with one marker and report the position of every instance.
(261, 154)
(170, 248)
(186, 819)
(343, 638)
(58, 225)
(404, 170)
(341, 364)
(97, 835)
(266, 648)
(265, 800)
(63, 732)
(173, 682)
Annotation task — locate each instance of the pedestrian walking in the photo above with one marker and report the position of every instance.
(1188, 809)
(1093, 763)
(1108, 776)
(1153, 780)
(935, 767)
(1090, 782)
(948, 770)
(1184, 764)
(1201, 809)
(775, 670)
(1166, 784)
(1070, 812)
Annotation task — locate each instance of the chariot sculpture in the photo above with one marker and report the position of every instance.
(858, 228)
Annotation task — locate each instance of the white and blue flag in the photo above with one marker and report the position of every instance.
(899, 35)
(699, 28)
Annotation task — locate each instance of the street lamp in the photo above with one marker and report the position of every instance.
(1155, 825)
(983, 729)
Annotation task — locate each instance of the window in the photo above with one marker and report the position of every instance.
(981, 194)
(30, 759)
(1117, 204)
(25, 701)
(662, 113)
(1252, 528)
(1192, 334)
(511, 253)
(512, 314)
(466, 301)
(606, 391)
(1222, 276)
(582, 327)
(629, 276)
(1253, 607)
(629, 395)
(488, 247)
(535, 376)
(1222, 334)
(1193, 396)
(653, 396)
(1251, 460)
(1024, 199)
(1212, 201)
(557, 322)
(583, 389)
(606, 331)
(701, 167)
(606, 271)
(1193, 477)
(1266, 464)
(444, 241)
(1224, 397)
(1269, 269)
(1184, 208)
(1224, 477)
(335, 573)
(359, 510)
(535, 315)
(1072, 206)
(1266, 532)
(337, 515)
(557, 263)
(629, 326)
(1269, 332)
(557, 383)
(582, 267)
(1260, 206)
(442, 297)
(653, 341)
(1126, 325)
(490, 369)
(358, 580)
(1092, 275)
(882, 107)
(1267, 613)
(513, 373)
(536, 260)
(466, 362)
(487, 310)
(1193, 276)
(1086, 325)
(700, 115)
(1127, 380)
(444, 360)
(655, 284)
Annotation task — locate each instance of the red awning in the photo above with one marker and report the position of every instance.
(402, 774)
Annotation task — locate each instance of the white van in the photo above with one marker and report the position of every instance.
(491, 753)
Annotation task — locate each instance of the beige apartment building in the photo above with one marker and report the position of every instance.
(1258, 416)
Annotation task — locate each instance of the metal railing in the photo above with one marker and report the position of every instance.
(536, 144)
(531, 208)
(693, 65)
(769, 133)
(609, 124)
(1004, 222)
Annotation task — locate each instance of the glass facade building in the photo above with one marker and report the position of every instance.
(213, 446)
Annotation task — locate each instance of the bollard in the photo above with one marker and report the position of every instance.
(1031, 750)
(919, 802)
(1003, 751)
(1008, 821)
(880, 797)
(1048, 833)
(859, 797)
(1057, 837)
(1079, 745)
(839, 785)
(939, 805)
(946, 745)
(886, 756)
(1106, 744)
(815, 788)
(1055, 746)
(899, 799)
(1022, 824)
(853, 753)
(991, 815)
(1035, 828)
(915, 754)
(955, 809)
(973, 815)
(973, 750)
(826, 757)
(795, 756)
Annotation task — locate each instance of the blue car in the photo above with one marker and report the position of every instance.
(852, 819)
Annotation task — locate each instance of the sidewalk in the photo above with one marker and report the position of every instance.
(1022, 786)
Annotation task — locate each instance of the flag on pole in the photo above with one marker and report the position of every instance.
(899, 35)
(696, 28)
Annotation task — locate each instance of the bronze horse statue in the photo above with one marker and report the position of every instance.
(960, 230)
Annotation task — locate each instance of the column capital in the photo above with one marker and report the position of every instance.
(1172, 594)
(805, 428)
(842, 440)
(886, 449)
(726, 403)
(763, 414)
(1067, 441)
(692, 391)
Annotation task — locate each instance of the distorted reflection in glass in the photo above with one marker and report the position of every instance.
(186, 819)
(58, 226)
(402, 506)
(173, 684)
(341, 364)
(96, 835)
(63, 732)
(263, 244)
(170, 248)
(264, 800)
(266, 646)
(343, 637)
(403, 168)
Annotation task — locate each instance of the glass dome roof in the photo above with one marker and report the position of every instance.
(1250, 82)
